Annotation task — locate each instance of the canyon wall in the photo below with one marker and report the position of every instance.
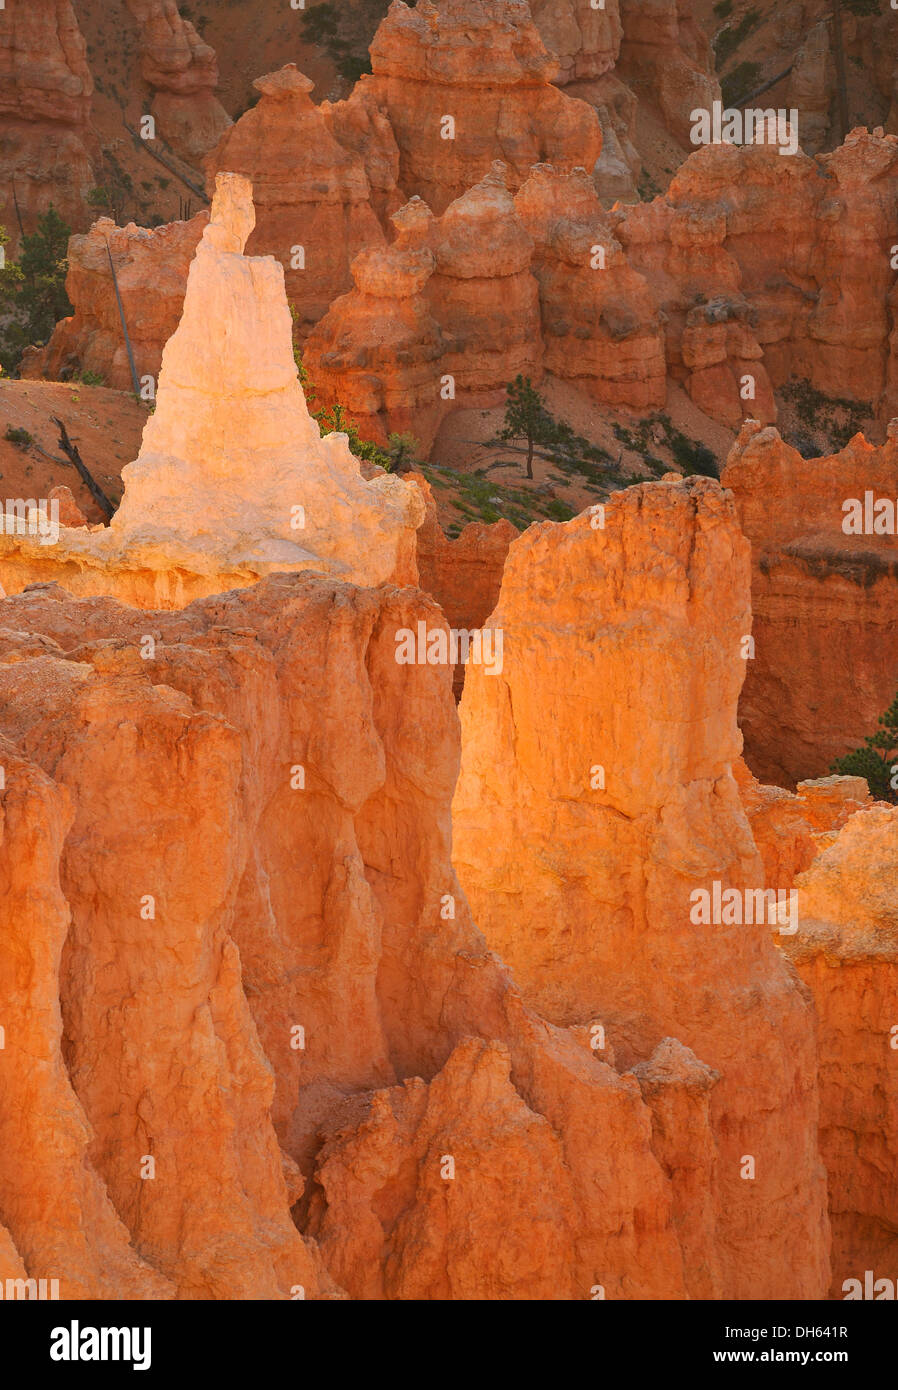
(824, 600)
(666, 54)
(314, 843)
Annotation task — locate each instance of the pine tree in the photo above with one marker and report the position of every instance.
(878, 759)
(32, 289)
(525, 417)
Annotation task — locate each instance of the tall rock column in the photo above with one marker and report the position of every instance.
(597, 817)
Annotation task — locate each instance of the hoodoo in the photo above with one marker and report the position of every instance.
(233, 479)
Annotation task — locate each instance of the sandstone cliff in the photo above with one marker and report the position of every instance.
(824, 601)
(396, 1040)
(596, 798)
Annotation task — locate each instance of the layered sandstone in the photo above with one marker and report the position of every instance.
(233, 479)
(313, 195)
(600, 321)
(776, 263)
(182, 72)
(446, 316)
(378, 350)
(596, 797)
(482, 292)
(680, 245)
(823, 598)
(151, 267)
(846, 951)
(467, 83)
(46, 145)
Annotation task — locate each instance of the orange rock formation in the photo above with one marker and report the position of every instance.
(847, 953)
(314, 197)
(151, 266)
(665, 50)
(468, 82)
(182, 72)
(824, 600)
(596, 796)
(46, 87)
(431, 1052)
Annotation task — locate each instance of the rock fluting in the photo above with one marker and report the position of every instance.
(596, 798)
(340, 872)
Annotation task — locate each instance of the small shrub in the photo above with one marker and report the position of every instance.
(21, 438)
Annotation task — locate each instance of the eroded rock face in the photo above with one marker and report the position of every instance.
(791, 829)
(584, 38)
(182, 71)
(45, 1136)
(596, 796)
(483, 66)
(482, 292)
(445, 316)
(313, 195)
(600, 321)
(159, 1037)
(340, 874)
(46, 146)
(151, 267)
(378, 351)
(773, 266)
(823, 599)
(233, 479)
(667, 51)
(846, 951)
